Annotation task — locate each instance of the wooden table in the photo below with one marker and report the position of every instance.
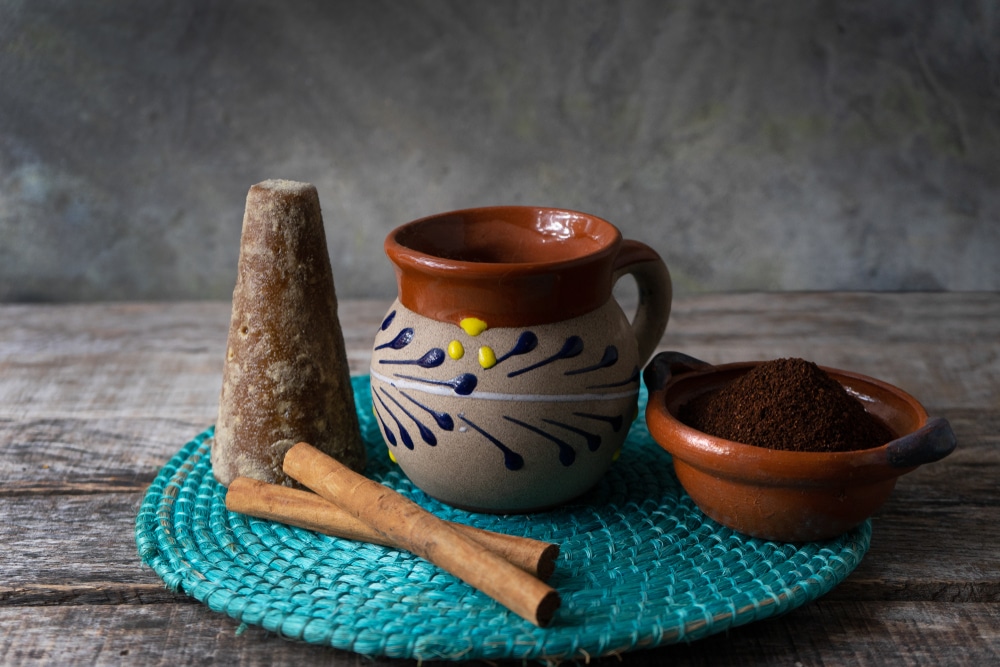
(94, 399)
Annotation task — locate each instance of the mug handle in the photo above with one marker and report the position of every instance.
(655, 293)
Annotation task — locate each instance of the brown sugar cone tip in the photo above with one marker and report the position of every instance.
(309, 510)
(286, 376)
(411, 527)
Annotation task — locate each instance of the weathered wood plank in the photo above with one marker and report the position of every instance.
(165, 360)
(65, 455)
(95, 398)
(819, 634)
(133, 360)
(97, 593)
(64, 540)
(941, 347)
(86, 541)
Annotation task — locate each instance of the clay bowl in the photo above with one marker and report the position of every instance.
(780, 495)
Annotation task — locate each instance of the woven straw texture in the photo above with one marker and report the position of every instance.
(640, 566)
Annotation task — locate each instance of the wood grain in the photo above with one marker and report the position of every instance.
(44, 546)
(823, 633)
(95, 398)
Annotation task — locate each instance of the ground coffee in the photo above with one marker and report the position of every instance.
(789, 404)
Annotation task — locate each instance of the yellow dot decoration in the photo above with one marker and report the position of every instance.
(614, 457)
(487, 357)
(392, 457)
(473, 326)
(455, 350)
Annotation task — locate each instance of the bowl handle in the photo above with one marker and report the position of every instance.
(931, 442)
(668, 364)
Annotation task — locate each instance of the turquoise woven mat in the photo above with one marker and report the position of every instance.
(640, 566)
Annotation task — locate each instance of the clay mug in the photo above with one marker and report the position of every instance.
(505, 376)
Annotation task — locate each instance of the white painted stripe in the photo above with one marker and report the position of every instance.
(439, 390)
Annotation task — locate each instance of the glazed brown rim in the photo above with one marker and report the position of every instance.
(506, 293)
(394, 245)
(735, 460)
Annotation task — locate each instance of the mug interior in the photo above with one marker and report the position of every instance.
(508, 235)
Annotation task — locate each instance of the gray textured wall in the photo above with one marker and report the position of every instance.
(757, 145)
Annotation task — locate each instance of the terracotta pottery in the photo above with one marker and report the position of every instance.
(787, 495)
(505, 376)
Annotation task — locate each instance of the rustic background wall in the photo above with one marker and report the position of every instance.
(758, 145)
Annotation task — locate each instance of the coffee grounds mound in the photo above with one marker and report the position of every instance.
(787, 404)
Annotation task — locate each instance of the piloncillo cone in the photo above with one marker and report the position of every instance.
(286, 378)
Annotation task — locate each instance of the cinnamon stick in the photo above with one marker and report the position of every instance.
(311, 511)
(411, 527)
